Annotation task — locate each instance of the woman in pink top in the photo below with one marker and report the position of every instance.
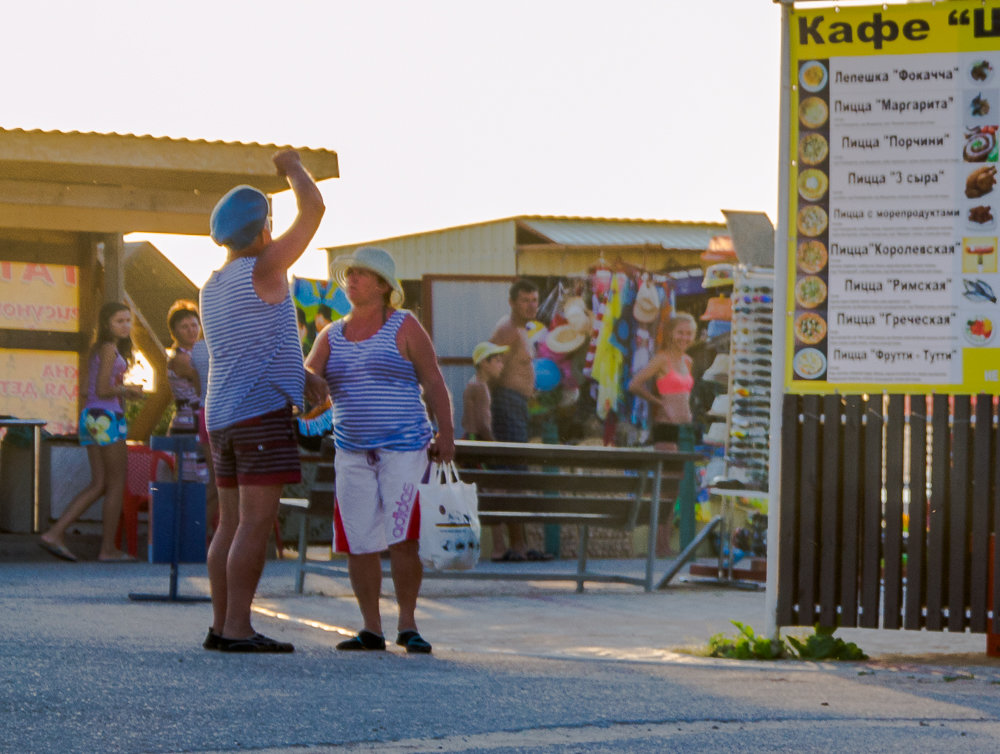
(102, 431)
(666, 382)
(669, 371)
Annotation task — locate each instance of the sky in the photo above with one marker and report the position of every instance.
(442, 112)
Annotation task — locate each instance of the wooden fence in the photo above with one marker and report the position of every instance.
(888, 505)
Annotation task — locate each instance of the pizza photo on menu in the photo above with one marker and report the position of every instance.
(813, 112)
(810, 292)
(812, 220)
(810, 328)
(813, 184)
(809, 363)
(811, 256)
(813, 149)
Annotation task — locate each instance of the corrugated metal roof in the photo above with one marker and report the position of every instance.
(581, 231)
(89, 157)
(164, 139)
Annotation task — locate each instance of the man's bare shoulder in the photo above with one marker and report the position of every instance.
(505, 333)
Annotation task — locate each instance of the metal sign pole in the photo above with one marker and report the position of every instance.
(779, 330)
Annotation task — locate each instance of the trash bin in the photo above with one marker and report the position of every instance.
(177, 509)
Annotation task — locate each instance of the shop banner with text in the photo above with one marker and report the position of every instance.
(40, 385)
(39, 297)
(893, 282)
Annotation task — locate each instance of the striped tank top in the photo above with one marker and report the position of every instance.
(256, 360)
(376, 396)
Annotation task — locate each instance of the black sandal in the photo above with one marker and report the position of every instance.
(213, 640)
(256, 643)
(413, 642)
(364, 641)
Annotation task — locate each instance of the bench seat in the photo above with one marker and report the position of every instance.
(581, 486)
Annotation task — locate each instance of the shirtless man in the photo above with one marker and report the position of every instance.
(514, 388)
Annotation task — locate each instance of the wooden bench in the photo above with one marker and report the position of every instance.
(568, 485)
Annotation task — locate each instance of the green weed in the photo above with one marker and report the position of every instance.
(749, 645)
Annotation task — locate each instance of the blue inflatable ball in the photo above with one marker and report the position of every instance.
(547, 374)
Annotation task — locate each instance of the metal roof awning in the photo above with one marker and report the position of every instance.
(122, 183)
(597, 232)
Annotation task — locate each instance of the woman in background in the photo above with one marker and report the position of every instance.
(102, 431)
(669, 371)
(187, 372)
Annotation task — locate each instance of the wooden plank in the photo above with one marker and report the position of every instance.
(588, 456)
(555, 518)
(916, 542)
(871, 515)
(958, 518)
(809, 449)
(892, 549)
(853, 453)
(561, 481)
(982, 453)
(787, 506)
(937, 518)
(829, 537)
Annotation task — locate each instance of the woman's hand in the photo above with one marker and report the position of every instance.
(442, 449)
(317, 391)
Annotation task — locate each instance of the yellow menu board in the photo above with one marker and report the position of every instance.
(40, 385)
(39, 297)
(893, 280)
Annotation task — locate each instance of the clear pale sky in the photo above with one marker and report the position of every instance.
(442, 112)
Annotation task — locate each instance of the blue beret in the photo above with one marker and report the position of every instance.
(239, 216)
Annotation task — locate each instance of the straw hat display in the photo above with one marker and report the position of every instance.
(720, 249)
(646, 308)
(577, 315)
(564, 339)
(720, 308)
(720, 406)
(718, 275)
(716, 434)
(719, 370)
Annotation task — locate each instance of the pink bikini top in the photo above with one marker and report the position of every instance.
(672, 383)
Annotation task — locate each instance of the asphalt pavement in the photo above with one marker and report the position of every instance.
(518, 666)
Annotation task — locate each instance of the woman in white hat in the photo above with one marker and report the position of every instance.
(666, 382)
(384, 378)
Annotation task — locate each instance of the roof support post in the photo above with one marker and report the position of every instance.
(114, 267)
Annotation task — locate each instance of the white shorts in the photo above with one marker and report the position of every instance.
(376, 498)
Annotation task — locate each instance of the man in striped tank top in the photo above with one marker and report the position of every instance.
(256, 377)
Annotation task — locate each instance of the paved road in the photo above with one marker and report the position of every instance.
(517, 667)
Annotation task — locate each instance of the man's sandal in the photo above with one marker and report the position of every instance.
(256, 643)
(413, 642)
(364, 641)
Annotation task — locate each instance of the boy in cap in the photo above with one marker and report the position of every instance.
(256, 377)
(477, 417)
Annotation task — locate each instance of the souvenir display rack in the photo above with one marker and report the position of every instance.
(747, 446)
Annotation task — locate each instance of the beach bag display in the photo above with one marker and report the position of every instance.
(449, 520)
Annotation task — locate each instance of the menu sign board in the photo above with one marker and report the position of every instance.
(40, 385)
(893, 279)
(39, 297)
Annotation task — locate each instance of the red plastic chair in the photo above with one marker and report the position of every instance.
(143, 466)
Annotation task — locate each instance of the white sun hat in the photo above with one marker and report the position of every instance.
(373, 259)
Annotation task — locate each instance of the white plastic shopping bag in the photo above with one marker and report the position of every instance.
(449, 520)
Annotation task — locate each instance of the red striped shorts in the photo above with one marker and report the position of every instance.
(261, 451)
